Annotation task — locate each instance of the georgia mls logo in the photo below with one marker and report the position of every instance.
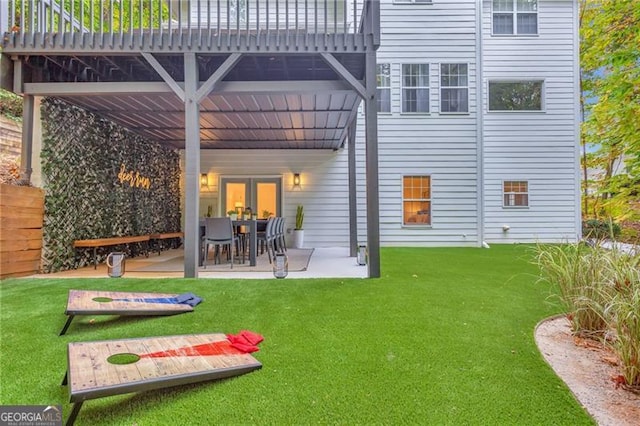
(53, 410)
(30, 415)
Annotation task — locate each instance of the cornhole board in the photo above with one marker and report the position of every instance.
(114, 367)
(89, 302)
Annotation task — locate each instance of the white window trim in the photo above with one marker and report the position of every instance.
(543, 101)
(515, 21)
(402, 87)
(386, 87)
(503, 193)
(430, 199)
(440, 87)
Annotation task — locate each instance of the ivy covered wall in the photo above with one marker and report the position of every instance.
(101, 181)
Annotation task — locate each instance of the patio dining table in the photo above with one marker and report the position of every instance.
(251, 224)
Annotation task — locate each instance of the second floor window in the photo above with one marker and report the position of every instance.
(454, 88)
(515, 95)
(415, 87)
(383, 76)
(515, 17)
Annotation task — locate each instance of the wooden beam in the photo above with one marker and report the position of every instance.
(156, 87)
(217, 75)
(192, 168)
(345, 74)
(157, 66)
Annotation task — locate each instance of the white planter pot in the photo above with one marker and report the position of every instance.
(298, 238)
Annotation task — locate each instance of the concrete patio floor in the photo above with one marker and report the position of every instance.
(331, 262)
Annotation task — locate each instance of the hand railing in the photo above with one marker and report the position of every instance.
(78, 22)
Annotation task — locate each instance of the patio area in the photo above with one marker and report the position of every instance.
(332, 262)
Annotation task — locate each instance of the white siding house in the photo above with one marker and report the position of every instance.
(477, 133)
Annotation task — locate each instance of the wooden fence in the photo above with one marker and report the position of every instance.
(21, 218)
(10, 138)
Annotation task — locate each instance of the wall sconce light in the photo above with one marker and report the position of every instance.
(204, 180)
(296, 180)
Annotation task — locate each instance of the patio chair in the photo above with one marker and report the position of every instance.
(266, 239)
(279, 236)
(219, 233)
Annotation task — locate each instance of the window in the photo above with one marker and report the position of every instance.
(415, 87)
(515, 17)
(383, 77)
(515, 193)
(454, 88)
(515, 95)
(416, 200)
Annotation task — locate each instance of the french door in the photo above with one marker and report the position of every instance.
(262, 195)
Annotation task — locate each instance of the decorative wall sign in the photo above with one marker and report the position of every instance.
(134, 178)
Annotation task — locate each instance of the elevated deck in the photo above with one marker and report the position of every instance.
(205, 74)
(115, 27)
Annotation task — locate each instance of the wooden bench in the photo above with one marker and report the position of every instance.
(158, 238)
(113, 241)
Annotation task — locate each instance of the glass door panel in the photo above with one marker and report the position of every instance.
(267, 199)
(235, 197)
(262, 195)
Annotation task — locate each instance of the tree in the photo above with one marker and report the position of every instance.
(610, 79)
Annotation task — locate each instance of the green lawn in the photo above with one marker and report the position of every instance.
(444, 337)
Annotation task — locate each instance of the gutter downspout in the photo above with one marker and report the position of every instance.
(479, 126)
(578, 116)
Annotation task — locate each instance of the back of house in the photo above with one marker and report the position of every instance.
(478, 122)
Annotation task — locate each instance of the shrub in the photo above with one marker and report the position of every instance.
(600, 290)
(579, 272)
(630, 232)
(624, 311)
(600, 229)
(10, 105)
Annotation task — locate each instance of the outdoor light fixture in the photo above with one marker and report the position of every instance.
(280, 265)
(204, 180)
(296, 180)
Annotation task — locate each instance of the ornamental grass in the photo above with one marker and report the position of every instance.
(599, 289)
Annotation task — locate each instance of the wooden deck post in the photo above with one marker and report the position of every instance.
(371, 136)
(192, 167)
(353, 193)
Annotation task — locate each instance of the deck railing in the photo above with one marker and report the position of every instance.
(192, 23)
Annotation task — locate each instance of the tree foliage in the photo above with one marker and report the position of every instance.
(115, 15)
(610, 62)
(10, 105)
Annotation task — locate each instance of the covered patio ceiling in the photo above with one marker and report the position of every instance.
(265, 101)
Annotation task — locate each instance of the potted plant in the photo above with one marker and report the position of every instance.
(233, 214)
(298, 232)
